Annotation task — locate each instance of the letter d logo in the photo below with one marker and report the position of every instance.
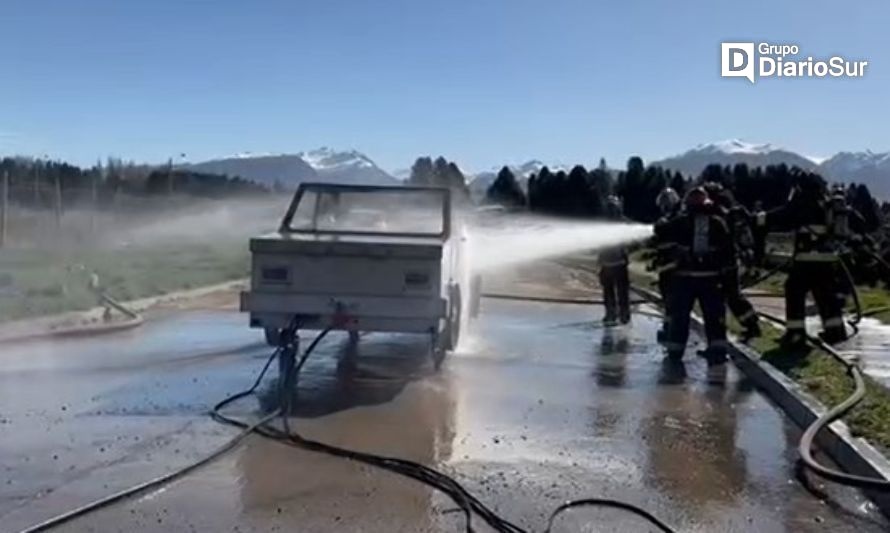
(737, 60)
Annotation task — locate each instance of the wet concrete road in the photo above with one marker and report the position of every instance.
(870, 346)
(539, 406)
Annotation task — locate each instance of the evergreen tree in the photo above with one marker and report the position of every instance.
(863, 202)
(421, 172)
(505, 190)
(602, 186)
(576, 192)
(678, 184)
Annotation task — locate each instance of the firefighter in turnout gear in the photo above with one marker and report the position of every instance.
(738, 221)
(849, 232)
(704, 250)
(815, 264)
(613, 274)
(664, 263)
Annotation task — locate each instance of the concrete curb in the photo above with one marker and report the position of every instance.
(853, 454)
(90, 321)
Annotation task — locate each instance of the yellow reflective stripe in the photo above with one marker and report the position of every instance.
(816, 257)
(833, 322)
(795, 324)
(698, 273)
(612, 263)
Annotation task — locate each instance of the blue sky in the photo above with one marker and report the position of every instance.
(480, 81)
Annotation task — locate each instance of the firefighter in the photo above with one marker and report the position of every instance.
(704, 249)
(613, 274)
(738, 221)
(848, 231)
(668, 202)
(759, 235)
(814, 261)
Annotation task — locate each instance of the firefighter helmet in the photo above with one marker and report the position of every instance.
(667, 200)
(613, 207)
(713, 188)
(839, 193)
(696, 199)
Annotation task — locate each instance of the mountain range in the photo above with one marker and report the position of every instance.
(350, 166)
(732, 152)
(868, 168)
(289, 170)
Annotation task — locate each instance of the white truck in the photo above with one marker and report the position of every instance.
(362, 259)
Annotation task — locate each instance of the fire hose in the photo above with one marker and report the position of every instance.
(805, 447)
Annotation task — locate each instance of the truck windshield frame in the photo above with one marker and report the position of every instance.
(320, 189)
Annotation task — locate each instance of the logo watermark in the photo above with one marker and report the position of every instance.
(765, 60)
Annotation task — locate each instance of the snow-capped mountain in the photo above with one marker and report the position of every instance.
(289, 170)
(348, 166)
(737, 146)
(733, 151)
(856, 162)
(286, 170)
(869, 168)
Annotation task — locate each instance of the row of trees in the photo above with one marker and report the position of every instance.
(580, 192)
(583, 193)
(426, 172)
(40, 183)
(770, 186)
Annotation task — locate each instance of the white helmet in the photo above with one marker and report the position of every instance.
(667, 200)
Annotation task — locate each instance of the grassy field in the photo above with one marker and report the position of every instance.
(37, 282)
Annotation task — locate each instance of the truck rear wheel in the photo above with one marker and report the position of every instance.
(446, 340)
(452, 328)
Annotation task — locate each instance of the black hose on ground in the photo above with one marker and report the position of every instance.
(805, 446)
(468, 503)
(614, 504)
(162, 480)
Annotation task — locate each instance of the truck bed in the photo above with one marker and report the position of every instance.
(357, 282)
